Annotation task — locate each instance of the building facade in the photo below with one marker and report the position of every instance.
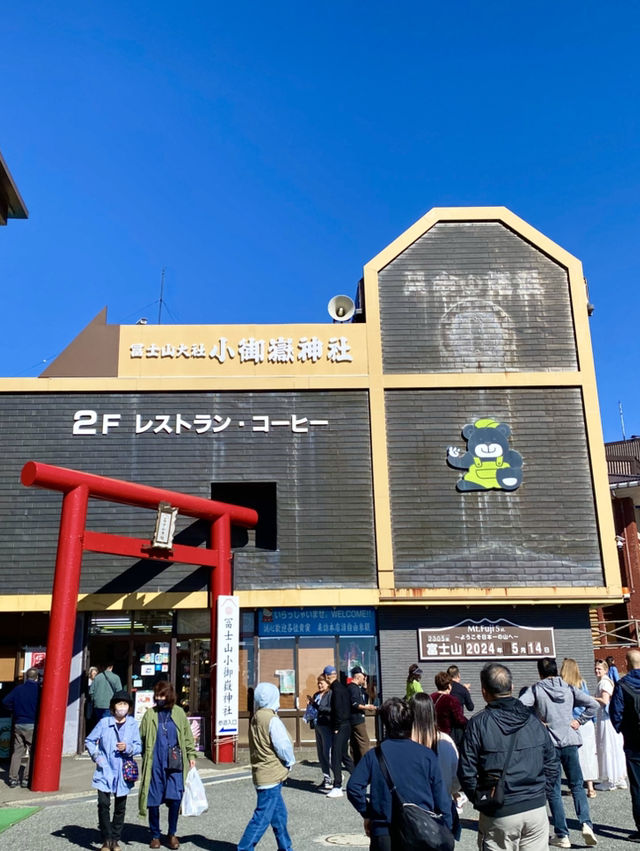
(430, 477)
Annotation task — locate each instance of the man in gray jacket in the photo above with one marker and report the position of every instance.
(553, 700)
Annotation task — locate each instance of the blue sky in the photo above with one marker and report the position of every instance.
(263, 153)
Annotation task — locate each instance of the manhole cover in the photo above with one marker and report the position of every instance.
(352, 840)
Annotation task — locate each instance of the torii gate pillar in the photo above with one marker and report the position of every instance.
(73, 539)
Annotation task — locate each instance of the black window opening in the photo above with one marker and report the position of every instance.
(263, 498)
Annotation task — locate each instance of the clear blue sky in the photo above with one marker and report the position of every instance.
(263, 153)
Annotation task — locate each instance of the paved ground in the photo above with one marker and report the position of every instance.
(68, 820)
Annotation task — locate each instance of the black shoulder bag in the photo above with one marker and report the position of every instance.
(489, 795)
(412, 827)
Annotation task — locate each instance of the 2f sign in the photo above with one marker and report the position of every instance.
(86, 422)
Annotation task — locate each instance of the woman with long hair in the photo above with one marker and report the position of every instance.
(414, 686)
(167, 741)
(322, 702)
(612, 766)
(425, 732)
(570, 673)
(414, 770)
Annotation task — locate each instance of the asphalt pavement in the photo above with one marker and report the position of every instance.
(68, 819)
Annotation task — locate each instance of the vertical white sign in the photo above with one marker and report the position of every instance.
(228, 638)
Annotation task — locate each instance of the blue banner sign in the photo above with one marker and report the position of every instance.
(316, 621)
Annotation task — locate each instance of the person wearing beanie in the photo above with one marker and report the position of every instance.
(113, 739)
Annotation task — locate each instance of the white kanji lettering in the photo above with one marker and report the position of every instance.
(264, 421)
(202, 423)
(251, 349)
(222, 423)
(222, 350)
(183, 351)
(163, 424)
(309, 349)
(198, 350)
(142, 428)
(432, 649)
(280, 350)
(153, 351)
(338, 350)
(136, 350)
(168, 351)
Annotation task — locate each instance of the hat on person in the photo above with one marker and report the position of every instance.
(121, 697)
(329, 670)
(356, 670)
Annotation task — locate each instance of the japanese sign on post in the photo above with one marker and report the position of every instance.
(485, 639)
(227, 666)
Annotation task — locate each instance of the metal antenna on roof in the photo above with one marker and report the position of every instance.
(624, 437)
(161, 295)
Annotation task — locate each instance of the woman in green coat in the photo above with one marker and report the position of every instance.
(163, 728)
(414, 685)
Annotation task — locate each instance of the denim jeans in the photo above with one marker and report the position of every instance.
(154, 819)
(270, 810)
(568, 757)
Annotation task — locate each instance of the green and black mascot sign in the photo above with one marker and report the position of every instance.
(489, 462)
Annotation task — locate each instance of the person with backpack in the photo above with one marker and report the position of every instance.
(553, 702)
(624, 711)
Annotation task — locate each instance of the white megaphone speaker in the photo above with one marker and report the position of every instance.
(341, 308)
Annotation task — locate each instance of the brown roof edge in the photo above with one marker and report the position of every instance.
(11, 204)
(92, 354)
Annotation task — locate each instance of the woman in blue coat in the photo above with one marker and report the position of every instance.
(114, 739)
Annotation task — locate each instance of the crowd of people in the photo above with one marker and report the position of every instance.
(507, 760)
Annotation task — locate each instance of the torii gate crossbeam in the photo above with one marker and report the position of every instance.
(73, 540)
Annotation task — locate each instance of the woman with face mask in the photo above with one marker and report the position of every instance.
(169, 753)
(113, 739)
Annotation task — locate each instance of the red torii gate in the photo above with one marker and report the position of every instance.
(73, 540)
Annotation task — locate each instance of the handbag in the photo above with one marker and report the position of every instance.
(412, 827)
(489, 794)
(129, 766)
(174, 758)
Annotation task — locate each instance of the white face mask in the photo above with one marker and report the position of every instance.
(122, 712)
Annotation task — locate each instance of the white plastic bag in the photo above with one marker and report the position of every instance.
(194, 800)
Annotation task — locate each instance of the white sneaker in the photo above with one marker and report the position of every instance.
(336, 792)
(622, 784)
(588, 835)
(560, 841)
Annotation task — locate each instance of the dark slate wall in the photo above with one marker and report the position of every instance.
(398, 628)
(544, 533)
(325, 513)
(474, 297)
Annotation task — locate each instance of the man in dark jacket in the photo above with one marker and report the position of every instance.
(624, 717)
(23, 703)
(341, 730)
(529, 776)
(360, 743)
